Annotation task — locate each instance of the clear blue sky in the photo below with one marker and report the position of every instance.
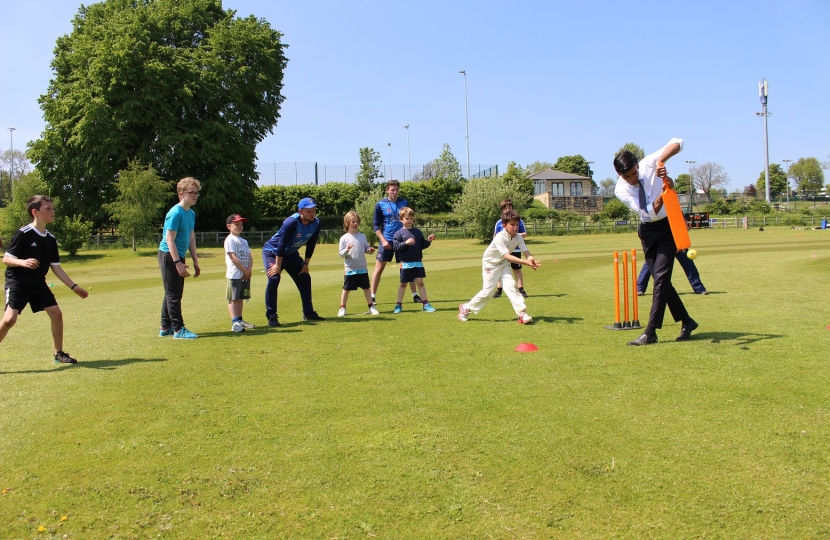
(545, 79)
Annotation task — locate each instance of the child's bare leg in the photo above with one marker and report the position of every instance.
(379, 266)
(421, 288)
(56, 316)
(344, 297)
(412, 287)
(366, 292)
(519, 278)
(235, 308)
(9, 318)
(401, 290)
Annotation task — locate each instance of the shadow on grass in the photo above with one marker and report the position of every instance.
(569, 320)
(90, 364)
(284, 327)
(695, 294)
(83, 258)
(741, 338)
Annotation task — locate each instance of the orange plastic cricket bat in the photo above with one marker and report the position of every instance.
(677, 222)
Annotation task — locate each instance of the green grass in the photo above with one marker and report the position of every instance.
(419, 426)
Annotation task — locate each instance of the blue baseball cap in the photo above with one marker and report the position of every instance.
(308, 202)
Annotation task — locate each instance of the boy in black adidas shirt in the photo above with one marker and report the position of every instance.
(31, 253)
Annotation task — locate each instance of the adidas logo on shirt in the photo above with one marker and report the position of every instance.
(34, 244)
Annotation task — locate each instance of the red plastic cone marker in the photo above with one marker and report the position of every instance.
(526, 347)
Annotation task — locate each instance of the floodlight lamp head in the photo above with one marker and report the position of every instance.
(463, 71)
(763, 91)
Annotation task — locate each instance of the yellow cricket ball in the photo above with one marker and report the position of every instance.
(692, 254)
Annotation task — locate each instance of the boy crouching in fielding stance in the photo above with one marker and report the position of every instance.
(32, 252)
(496, 267)
(238, 263)
(353, 249)
(410, 244)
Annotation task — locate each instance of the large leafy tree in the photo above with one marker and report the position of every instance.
(182, 86)
(142, 196)
(777, 181)
(635, 149)
(479, 204)
(517, 177)
(807, 174)
(370, 163)
(537, 166)
(575, 165)
(447, 166)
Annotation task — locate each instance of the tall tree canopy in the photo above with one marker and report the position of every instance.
(178, 85)
(635, 149)
(777, 181)
(807, 174)
(710, 177)
(370, 163)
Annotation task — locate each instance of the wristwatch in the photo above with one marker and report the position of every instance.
(177, 262)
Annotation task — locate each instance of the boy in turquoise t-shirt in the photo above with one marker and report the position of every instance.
(177, 238)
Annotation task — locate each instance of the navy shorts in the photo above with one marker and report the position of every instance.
(408, 275)
(516, 266)
(385, 255)
(354, 281)
(39, 297)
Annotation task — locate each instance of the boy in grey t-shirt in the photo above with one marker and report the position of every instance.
(353, 248)
(238, 262)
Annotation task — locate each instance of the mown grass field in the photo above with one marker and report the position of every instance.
(420, 426)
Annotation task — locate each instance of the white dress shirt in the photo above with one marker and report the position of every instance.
(653, 184)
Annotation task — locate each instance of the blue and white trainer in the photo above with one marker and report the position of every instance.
(164, 332)
(428, 308)
(184, 333)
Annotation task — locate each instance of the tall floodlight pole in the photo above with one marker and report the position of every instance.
(408, 154)
(691, 183)
(788, 181)
(11, 169)
(763, 91)
(466, 122)
(389, 144)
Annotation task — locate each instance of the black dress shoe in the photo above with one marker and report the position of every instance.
(644, 339)
(686, 330)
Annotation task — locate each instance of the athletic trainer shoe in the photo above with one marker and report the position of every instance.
(523, 293)
(374, 311)
(313, 317)
(247, 325)
(462, 313)
(341, 312)
(164, 332)
(498, 294)
(64, 358)
(237, 326)
(184, 333)
(428, 308)
(416, 299)
(397, 309)
(524, 318)
(274, 321)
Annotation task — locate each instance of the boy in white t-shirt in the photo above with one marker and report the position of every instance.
(496, 266)
(239, 262)
(353, 248)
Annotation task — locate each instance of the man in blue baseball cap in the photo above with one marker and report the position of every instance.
(282, 252)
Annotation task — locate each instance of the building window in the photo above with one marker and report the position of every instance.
(576, 189)
(559, 205)
(594, 205)
(538, 187)
(557, 189)
(577, 205)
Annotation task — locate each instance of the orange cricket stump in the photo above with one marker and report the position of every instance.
(627, 324)
(635, 322)
(626, 321)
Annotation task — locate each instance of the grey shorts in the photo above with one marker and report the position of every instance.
(238, 289)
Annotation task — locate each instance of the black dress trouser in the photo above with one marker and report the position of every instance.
(660, 251)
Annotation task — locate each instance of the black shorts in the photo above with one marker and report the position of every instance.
(516, 266)
(354, 281)
(39, 297)
(385, 255)
(408, 275)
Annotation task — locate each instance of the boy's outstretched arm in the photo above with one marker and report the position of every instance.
(61, 273)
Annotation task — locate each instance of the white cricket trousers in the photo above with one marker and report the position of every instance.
(491, 276)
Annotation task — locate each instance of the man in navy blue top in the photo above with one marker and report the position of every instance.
(282, 252)
(386, 223)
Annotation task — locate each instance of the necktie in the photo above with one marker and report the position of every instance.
(643, 201)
